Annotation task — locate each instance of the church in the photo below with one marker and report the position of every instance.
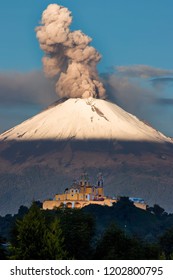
(82, 193)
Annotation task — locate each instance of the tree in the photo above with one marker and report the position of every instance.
(23, 210)
(116, 245)
(36, 237)
(112, 245)
(78, 230)
(125, 201)
(158, 211)
(166, 243)
(54, 242)
(2, 250)
(28, 239)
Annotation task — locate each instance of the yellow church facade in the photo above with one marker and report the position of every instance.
(81, 194)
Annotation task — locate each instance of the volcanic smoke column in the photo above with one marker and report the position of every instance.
(68, 55)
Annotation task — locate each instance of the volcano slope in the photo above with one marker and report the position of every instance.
(41, 156)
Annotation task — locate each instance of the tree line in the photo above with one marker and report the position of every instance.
(93, 232)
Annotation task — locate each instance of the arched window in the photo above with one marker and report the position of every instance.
(69, 205)
(77, 205)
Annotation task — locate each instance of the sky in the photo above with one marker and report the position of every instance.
(134, 38)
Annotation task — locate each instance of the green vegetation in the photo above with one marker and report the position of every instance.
(93, 232)
(116, 245)
(34, 239)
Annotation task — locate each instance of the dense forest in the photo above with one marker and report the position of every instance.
(122, 231)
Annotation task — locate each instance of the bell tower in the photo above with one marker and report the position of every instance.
(99, 185)
(84, 181)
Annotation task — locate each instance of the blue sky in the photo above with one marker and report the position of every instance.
(129, 34)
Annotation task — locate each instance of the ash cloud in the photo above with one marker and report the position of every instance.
(26, 88)
(68, 55)
(165, 101)
(23, 95)
(149, 99)
(143, 71)
(162, 82)
(129, 94)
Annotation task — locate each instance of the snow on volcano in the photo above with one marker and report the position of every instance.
(84, 119)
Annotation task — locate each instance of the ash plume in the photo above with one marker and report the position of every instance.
(68, 55)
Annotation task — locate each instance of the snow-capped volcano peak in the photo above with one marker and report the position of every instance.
(84, 119)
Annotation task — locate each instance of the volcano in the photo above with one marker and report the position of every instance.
(41, 156)
(84, 119)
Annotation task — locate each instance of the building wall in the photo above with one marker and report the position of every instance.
(48, 204)
(100, 191)
(60, 197)
(51, 204)
(141, 205)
